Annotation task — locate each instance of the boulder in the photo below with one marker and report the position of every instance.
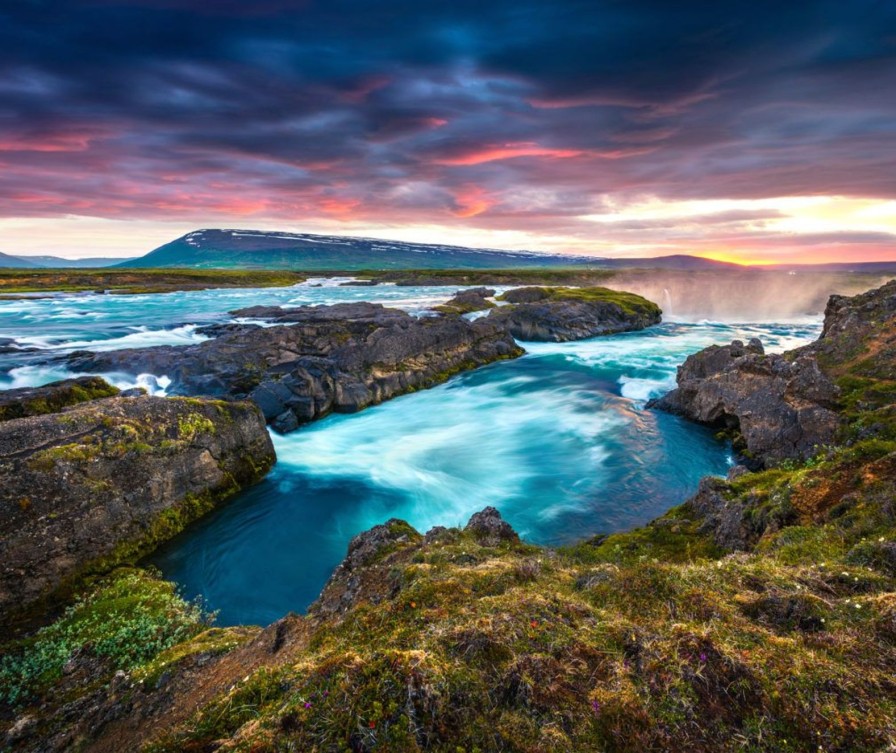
(105, 481)
(364, 574)
(490, 528)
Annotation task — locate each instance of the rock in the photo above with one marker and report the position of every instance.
(9, 344)
(357, 576)
(35, 401)
(782, 408)
(736, 471)
(318, 359)
(105, 481)
(490, 528)
(726, 520)
(21, 729)
(563, 314)
(467, 301)
(440, 535)
(225, 328)
(869, 318)
(788, 406)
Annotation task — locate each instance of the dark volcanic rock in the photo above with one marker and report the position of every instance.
(725, 520)
(563, 314)
(320, 359)
(782, 407)
(366, 572)
(490, 528)
(787, 406)
(104, 481)
(53, 397)
(9, 345)
(467, 301)
(361, 574)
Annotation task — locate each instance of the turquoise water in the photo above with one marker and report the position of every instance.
(60, 324)
(558, 440)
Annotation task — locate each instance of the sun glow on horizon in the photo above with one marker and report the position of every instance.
(754, 232)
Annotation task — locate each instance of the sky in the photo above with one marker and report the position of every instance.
(757, 132)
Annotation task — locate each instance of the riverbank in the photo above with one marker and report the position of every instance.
(674, 636)
(13, 281)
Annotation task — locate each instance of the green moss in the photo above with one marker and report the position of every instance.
(628, 303)
(74, 452)
(56, 396)
(192, 425)
(675, 537)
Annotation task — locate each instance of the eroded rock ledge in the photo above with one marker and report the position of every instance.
(318, 359)
(107, 480)
(783, 406)
(790, 406)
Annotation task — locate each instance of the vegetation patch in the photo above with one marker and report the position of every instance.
(53, 398)
(628, 303)
(126, 620)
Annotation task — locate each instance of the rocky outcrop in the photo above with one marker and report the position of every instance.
(105, 481)
(780, 407)
(790, 405)
(366, 572)
(35, 401)
(858, 315)
(490, 529)
(317, 359)
(363, 574)
(725, 519)
(468, 301)
(563, 314)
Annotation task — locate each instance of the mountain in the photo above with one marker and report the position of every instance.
(58, 262)
(14, 262)
(846, 266)
(249, 248)
(276, 250)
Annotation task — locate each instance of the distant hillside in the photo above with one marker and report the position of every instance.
(676, 261)
(58, 262)
(255, 249)
(14, 262)
(846, 266)
(274, 250)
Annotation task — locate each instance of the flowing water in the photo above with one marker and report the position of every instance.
(558, 440)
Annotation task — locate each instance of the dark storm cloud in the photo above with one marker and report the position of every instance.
(509, 111)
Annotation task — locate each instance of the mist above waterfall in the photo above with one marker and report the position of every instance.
(744, 296)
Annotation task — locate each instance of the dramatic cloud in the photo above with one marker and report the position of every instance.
(513, 122)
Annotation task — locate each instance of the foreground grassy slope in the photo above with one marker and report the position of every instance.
(139, 281)
(652, 640)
